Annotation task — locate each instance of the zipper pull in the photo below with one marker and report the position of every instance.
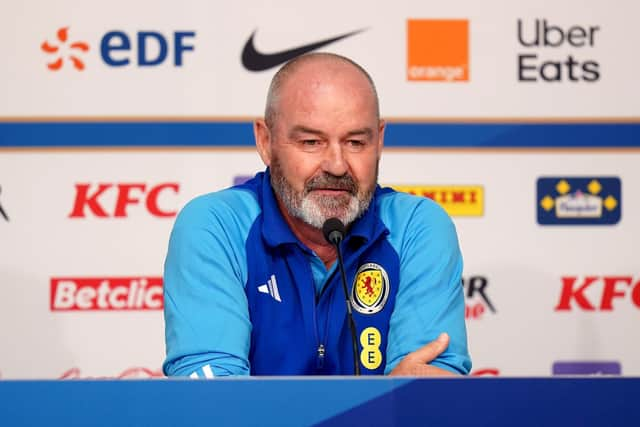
(321, 352)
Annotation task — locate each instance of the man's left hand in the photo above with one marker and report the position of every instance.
(416, 364)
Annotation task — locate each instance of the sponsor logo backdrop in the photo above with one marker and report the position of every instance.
(523, 122)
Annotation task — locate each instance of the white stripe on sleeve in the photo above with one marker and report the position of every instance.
(208, 373)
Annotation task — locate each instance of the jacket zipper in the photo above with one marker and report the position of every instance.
(321, 350)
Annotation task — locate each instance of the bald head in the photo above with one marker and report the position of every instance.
(321, 63)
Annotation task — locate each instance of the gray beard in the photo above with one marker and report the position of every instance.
(315, 209)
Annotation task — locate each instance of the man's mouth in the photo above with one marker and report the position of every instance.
(332, 186)
(330, 190)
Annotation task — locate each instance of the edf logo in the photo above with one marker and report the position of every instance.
(116, 48)
(120, 49)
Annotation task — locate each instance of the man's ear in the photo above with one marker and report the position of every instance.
(263, 140)
(381, 127)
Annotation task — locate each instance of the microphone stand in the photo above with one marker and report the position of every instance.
(333, 231)
(352, 324)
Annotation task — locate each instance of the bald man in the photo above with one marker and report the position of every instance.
(253, 288)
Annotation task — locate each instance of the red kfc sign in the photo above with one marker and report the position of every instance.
(597, 293)
(89, 199)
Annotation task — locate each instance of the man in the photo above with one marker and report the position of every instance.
(252, 286)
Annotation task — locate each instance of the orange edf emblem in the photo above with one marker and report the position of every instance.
(60, 49)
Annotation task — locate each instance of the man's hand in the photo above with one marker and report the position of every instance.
(416, 364)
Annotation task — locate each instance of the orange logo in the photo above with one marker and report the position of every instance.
(438, 50)
(61, 49)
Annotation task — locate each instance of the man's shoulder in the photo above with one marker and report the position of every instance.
(398, 207)
(228, 207)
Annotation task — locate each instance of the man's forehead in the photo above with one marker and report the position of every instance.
(318, 71)
(311, 87)
(321, 83)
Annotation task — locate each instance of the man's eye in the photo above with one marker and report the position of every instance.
(310, 142)
(355, 143)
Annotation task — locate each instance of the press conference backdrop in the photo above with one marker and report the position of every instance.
(521, 118)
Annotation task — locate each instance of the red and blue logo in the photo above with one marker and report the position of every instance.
(119, 48)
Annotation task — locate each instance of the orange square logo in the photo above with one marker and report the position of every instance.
(438, 50)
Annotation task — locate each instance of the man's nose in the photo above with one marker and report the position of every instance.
(334, 161)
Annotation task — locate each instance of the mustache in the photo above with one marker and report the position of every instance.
(326, 180)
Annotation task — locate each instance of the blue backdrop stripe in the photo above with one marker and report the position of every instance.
(240, 134)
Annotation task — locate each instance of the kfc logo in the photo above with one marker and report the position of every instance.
(107, 200)
(110, 293)
(595, 293)
(477, 298)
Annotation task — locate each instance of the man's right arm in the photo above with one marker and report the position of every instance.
(207, 325)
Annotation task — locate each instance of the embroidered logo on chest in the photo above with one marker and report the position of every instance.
(370, 289)
(271, 288)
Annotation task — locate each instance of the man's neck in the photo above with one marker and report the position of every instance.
(311, 237)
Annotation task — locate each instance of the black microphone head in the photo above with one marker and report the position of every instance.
(333, 230)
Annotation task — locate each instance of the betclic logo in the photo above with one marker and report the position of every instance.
(598, 293)
(106, 293)
(113, 200)
(118, 48)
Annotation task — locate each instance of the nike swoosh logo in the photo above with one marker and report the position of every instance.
(257, 61)
(2, 212)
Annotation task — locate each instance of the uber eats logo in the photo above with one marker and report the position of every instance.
(555, 53)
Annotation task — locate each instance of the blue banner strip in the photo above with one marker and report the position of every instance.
(240, 134)
(337, 401)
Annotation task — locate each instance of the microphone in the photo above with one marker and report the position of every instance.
(333, 231)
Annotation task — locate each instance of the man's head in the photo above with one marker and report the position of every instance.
(322, 138)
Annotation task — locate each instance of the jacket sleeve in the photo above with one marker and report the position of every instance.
(430, 297)
(207, 325)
